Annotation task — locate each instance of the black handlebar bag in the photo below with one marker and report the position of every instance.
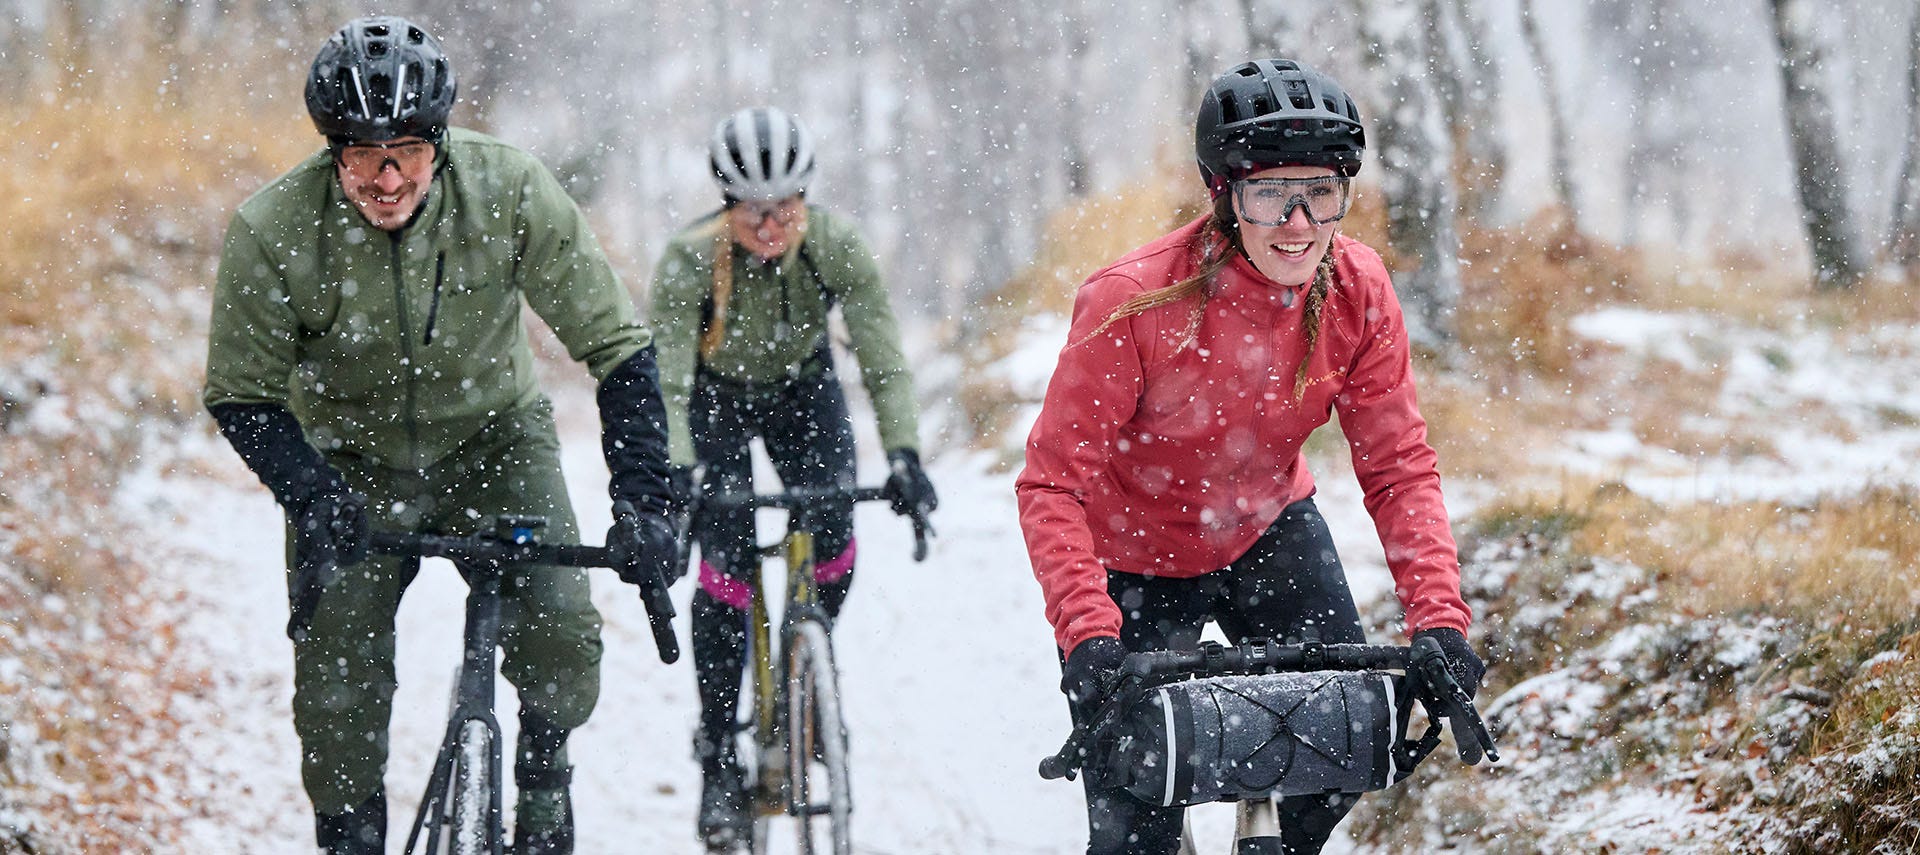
(1261, 736)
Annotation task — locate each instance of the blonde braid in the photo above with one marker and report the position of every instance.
(1218, 241)
(716, 329)
(1310, 319)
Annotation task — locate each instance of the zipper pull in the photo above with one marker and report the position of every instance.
(433, 311)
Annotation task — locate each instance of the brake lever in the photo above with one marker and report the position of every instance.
(1447, 699)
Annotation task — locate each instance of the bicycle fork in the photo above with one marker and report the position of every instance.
(472, 709)
(1256, 829)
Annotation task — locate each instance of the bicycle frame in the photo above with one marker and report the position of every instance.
(802, 604)
(773, 793)
(484, 559)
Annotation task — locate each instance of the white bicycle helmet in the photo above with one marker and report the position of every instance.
(761, 154)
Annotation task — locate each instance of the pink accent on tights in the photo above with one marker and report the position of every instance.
(725, 588)
(827, 572)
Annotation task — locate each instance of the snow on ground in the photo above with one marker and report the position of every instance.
(947, 669)
(1840, 408)
(947, 666)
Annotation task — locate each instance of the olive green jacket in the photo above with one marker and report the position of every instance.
(767, 342)
(398, 347)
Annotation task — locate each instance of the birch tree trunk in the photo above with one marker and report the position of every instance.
(1075, 40)
(1818, 172)
(1903, 241)
(1559, 139)
(1468, 77)
(1416, 162)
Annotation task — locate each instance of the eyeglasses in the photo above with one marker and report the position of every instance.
(371, 158)
(783, 211)
(1270, 201)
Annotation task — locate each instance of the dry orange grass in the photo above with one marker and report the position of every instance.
(1520, 286)
(1077, 240)
(1843, 560)
(112, 205)
(1092, 232)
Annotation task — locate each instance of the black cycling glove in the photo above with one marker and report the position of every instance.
(1462, 662)
(907, 484)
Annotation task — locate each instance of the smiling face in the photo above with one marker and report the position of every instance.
(386, 181)
(1289, 252)
(767, 229)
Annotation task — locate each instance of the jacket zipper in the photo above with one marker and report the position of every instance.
(406, 356)
(433, 311)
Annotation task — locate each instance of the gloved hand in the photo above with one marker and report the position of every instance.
(1462, 663)
(332, 529)
(640, 543)
(1092, 666)
(907, 483)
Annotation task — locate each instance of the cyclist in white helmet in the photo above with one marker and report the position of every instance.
(743, 353)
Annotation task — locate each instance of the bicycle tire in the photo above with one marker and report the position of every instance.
(471, 830)
(816, 745)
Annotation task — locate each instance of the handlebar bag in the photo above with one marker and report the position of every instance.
(1270, 735)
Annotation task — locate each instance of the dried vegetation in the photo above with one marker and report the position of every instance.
(111, 210)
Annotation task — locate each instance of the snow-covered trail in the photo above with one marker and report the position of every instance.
(947, 670)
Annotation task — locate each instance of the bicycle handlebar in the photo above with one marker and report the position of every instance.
(1424, 661)
(515, 545)
(803, 498)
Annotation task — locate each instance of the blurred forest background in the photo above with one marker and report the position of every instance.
(1754, 159)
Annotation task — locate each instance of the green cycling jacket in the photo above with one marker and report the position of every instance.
(398, 347)
(776, 319)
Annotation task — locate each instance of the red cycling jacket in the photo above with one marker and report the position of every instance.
(1160, 454)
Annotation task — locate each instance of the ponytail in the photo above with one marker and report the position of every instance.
(1216, 245)
(716, 330)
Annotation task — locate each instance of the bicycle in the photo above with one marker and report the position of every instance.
(1218, 724)
(463, 796)
(798, 741)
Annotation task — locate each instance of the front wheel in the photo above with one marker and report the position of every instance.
(472, 826)
(819, 788)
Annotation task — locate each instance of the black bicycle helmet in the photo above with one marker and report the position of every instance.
(1275, 111)
(761, 153)
(381, 78)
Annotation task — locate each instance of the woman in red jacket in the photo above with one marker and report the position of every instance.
(1165, 485)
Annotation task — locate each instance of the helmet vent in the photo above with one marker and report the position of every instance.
(1298, 96)
(1229, 108)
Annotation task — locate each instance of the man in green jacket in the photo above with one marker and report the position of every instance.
(368, 360)
(740, 300)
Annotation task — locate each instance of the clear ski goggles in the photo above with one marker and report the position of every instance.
(368, 159)
(1270, 201)
(781, 211)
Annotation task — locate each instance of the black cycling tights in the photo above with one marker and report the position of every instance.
(1288, 587)
(808, 437)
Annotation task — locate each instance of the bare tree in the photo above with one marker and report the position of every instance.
(1903, 241)
(1662, 48)
(1819, 174)
(1416, 157)
(1076, 39)
(1559, 137)
(1467, 73)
